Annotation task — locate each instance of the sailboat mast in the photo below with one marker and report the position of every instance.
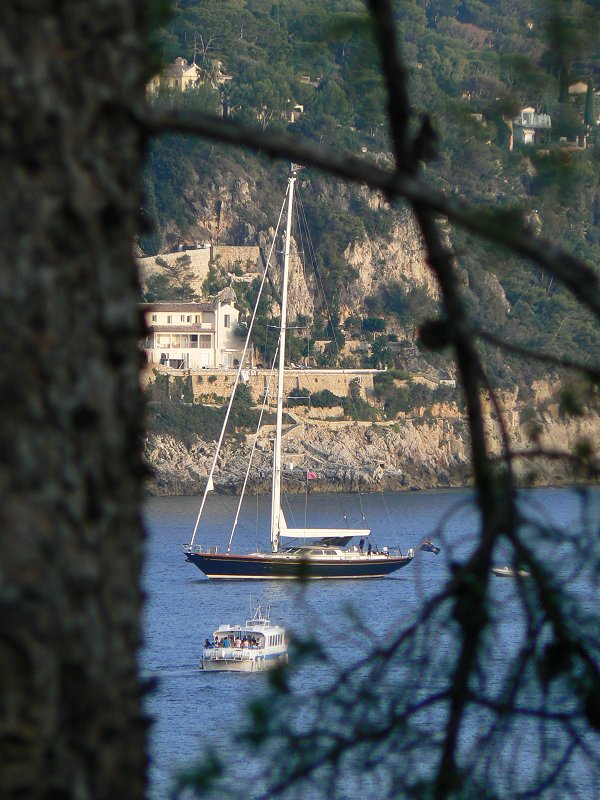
(276, 493)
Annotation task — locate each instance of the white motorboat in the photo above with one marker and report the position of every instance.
(256, 646)
(510, 572)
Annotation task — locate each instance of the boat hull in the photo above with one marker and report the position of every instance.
(230, 663)
(508, 572)
(265, 567)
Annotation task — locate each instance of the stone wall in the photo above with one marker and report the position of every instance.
(229, 255)
(250, 259)
(210, 384)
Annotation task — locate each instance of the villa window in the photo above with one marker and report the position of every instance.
(154, 317)
(169, 319)
(227, 321)
(205, 342)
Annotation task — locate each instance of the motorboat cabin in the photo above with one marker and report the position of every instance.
(253, 647)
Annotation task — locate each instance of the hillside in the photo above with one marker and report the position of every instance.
(465, 59)
(311, 68)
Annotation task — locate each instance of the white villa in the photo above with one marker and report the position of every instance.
(532, 128)
(180, 76)
(197, 335)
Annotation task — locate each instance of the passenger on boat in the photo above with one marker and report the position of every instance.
(225, 642)
(385, 550)
(361, 545)
(207, 644)
(369, 549)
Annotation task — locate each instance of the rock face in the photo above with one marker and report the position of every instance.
(417, 451)
(237, 211)
(399, 259)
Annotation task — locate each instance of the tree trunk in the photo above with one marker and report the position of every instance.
(71, 722)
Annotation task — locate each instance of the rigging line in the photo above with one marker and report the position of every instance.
(306, 500)
(254, 443)
(303, 225)
(209, 482)
(362, 511)
(317, 272)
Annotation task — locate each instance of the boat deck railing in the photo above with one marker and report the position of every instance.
(231, 653)
(197, 548)
(352, 555)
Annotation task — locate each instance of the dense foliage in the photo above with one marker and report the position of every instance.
(476, 64)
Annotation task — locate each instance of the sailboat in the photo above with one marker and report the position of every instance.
(327, 555)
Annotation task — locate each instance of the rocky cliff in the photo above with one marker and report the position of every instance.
(427, 449)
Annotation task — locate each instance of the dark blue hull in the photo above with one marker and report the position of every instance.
(259, 567)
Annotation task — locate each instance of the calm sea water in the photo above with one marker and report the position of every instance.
(192, 710)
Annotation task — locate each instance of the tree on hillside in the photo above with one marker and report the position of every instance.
(73, 129)
(173, 282)
(589, 114)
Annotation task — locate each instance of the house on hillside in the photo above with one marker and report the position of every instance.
(295, 112)
(193, 335)
(179, 75)
(578, 87)
(529, 127)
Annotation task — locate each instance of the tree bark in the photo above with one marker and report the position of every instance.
(71, 723)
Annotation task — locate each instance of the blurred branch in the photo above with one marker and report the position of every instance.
(592, 372)
(577, 276)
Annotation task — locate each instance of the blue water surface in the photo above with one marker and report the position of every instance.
(192, 710)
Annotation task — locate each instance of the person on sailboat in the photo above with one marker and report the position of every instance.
(361, 545)
(369, 550)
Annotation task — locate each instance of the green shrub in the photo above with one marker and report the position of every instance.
(325, 399)
(299, 397)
